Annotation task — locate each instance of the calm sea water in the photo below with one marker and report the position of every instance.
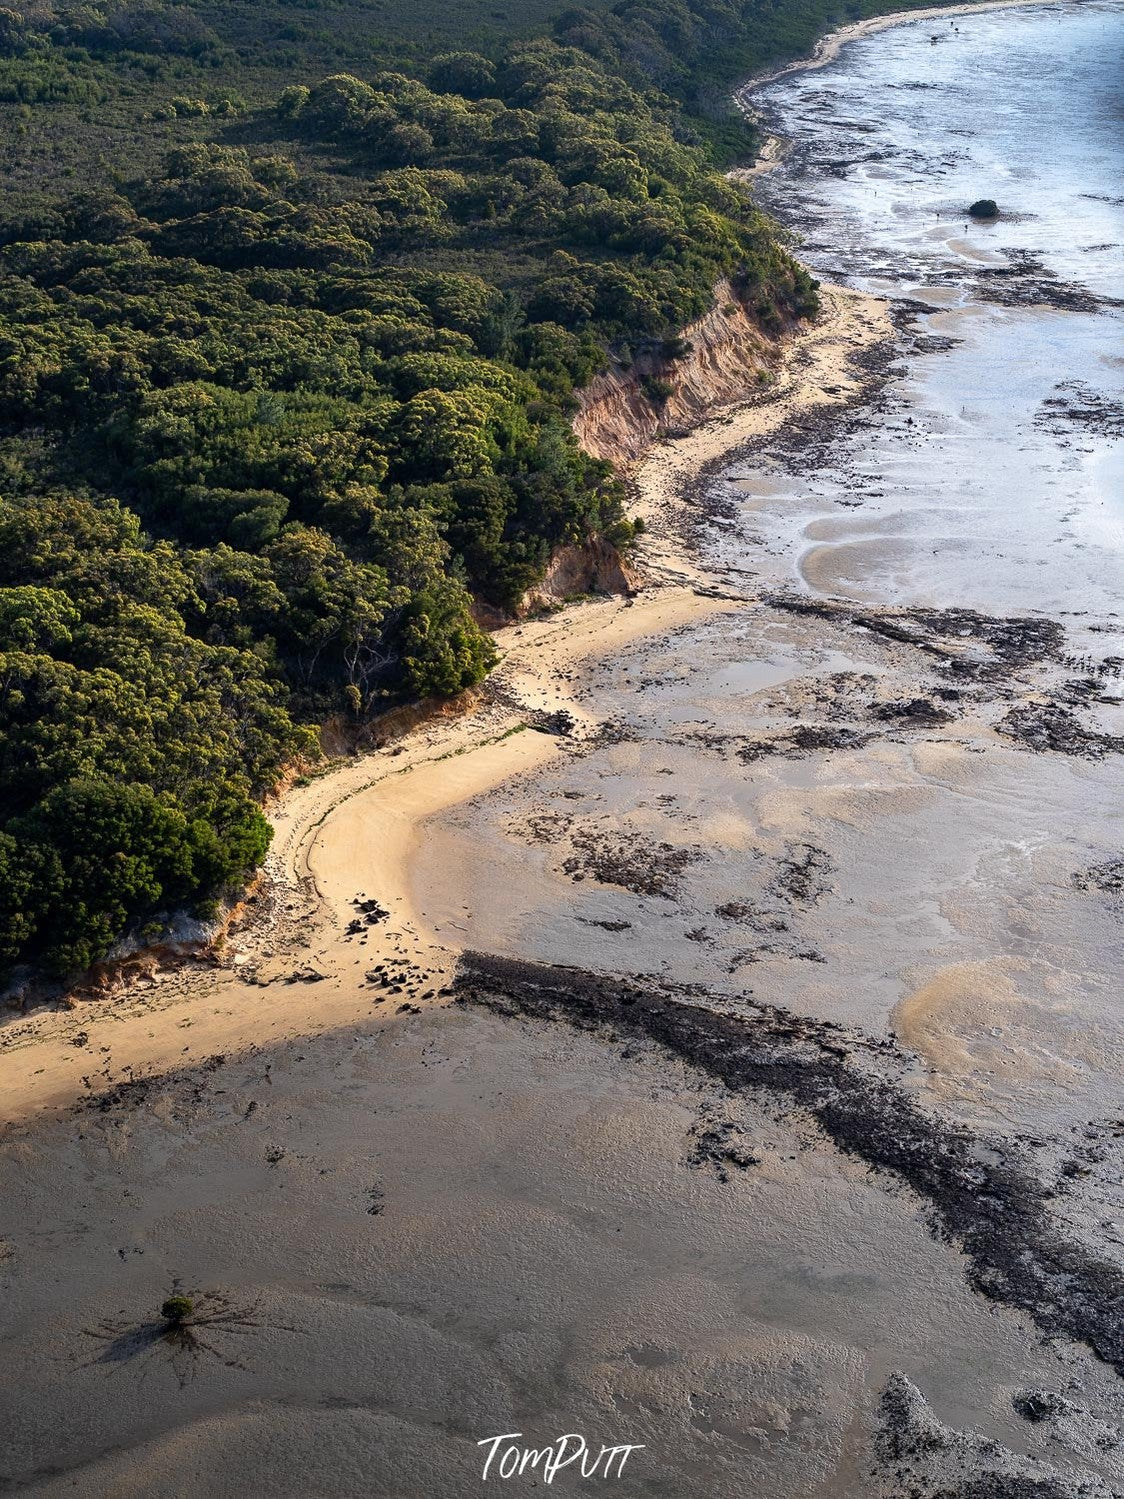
(946, 904)
(993, 475)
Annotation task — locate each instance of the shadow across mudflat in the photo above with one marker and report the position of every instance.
(980, 1195)
(181, 1345)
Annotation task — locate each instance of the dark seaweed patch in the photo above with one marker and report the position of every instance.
(995, 1210)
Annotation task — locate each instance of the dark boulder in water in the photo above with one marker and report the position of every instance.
(984, 208)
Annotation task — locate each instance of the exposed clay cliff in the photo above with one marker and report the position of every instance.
(623, 411)
(594, 567)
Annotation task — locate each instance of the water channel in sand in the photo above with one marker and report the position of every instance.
(939, 888)
(445, 1224)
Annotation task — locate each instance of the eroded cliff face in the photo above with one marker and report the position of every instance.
(730, 356)
(594, 567)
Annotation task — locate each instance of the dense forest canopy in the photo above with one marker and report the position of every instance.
(287, 383)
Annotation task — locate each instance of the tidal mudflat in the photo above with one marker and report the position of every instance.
(712, 1042)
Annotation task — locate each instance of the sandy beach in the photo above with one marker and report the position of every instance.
(368, 814)
(379, 1199)
(771, 151)
(828, 48)
(704, 1038)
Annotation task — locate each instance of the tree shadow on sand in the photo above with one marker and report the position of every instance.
(200, 1329)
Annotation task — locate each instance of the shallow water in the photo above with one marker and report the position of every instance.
(894, 139)
(928, 884)
(447, 1224)
(969, 487)
(944, 865)
(948, 905)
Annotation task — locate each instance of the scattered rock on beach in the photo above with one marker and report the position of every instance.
(802, 875)
(643, 865)
(1017, 1252)
(716, 1145)
(805, 739)
(1107, 877)
(913, 712)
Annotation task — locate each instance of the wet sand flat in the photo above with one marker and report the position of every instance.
(707, 1039)
(453, 1226)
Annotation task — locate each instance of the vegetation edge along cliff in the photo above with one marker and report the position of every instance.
(287, 381)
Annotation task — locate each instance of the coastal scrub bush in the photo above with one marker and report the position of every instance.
(659, 392)
(177, 1309)
(283, 398)
(675, 348)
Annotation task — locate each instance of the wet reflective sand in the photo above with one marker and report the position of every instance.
(857, 800)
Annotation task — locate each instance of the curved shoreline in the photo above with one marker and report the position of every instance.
(774, 147)
(348, 834)
(664, 555)
(255, 993)
(828, 48)
(702, 1035)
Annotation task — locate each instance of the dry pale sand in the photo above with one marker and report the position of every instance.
(368, 814)
(421, 1234)
(411, 1225)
